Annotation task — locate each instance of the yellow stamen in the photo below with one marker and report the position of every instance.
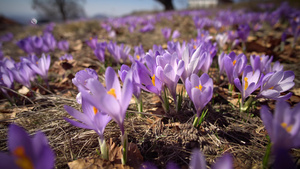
(202, 35)
(95, 110)
(260, 58)
(195, 46)
(138, 57)
(286, 127)
(91, 38)
(37, 63)
(199, 87)
(271, 87)
(153, 80)
(23, 161)
(246, 82)
(112, 92)
(234, 62)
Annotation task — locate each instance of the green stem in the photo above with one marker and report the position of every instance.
(195, 123)
(230, 88)
(244, 107)
(103, 148)
(124, 141)
(139, 104)
(267, 155)
(165, 101)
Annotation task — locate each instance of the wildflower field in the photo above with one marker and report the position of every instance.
(208, 88)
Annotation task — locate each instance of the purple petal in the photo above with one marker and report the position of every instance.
(78, 124)
(78, 115)
(271, 94)
(17, 137)
(197, 161)
(225, 162)
(7, 161)
(112, 81)
(267, 119)
(126, 94)
(285, 97)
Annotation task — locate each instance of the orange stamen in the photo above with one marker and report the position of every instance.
(246, 82)
(199, 87)
(286, 127)
(234, 62)
(153, 80)
(95, 110)
(112, 92)
(23, 161)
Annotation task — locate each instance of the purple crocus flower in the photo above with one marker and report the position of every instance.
(147, 28)
(234, 65)
(169, 71)
(92, 43)
(37, 43)
(25, 44)
(200, 90)
(100, 54)
(166, 32)
(261, 62)
(176, 34)
(6, 78)
(273, 84)
(221, 62)
(276, 67)
(66, 57)
(135, 77)
(63, 45)
(222, 39)
(41, 67)
(251, 80)
(49, 41)
(91, 118)
(26, 152)
(6, 37)
(118, 52)
(193, 63)
(23, 74)
(80, 80)
(198, 161)
(284, 127)
(149, 80)
(243, 32)
(111, 100)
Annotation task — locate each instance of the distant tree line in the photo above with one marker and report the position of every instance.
(59, 9)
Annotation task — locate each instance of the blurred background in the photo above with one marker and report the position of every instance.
(22, 11)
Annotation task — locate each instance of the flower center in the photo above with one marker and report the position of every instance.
(286, 127)
(234, 62)
(199, 87)
(23, 161)
(246, 82)
(153, 80)
(271, 87)
(95, 110)
(112, 92)
(91, 38)
(138, 57)
(195, 46)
